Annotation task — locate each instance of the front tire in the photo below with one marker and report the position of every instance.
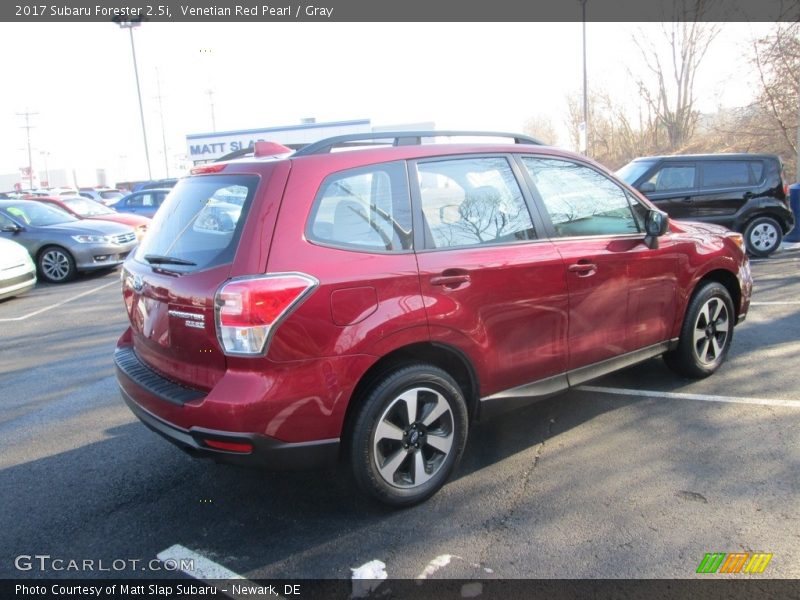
(762, 236)
(56, 264)
(706, 333)
(409, 435)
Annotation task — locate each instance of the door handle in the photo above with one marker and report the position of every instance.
(583, 269)
(450, 281)
(687, 200)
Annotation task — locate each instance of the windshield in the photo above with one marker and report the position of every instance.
(200, 222)
(633, 170)
(87, 208)
(111, 195)
(37, 214)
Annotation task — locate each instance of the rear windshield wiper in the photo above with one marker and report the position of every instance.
(158, 259)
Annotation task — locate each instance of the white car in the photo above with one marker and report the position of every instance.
(17, 271)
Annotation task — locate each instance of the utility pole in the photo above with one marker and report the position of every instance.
(27, 114)
(163, 133)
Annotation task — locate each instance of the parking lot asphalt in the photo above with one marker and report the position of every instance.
(636, 475)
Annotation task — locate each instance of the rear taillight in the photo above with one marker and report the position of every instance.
(249, 309)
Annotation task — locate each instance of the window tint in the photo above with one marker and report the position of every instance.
(365, 209)
(581, 201)
(757, 168)
(201, 221)
(472, 201)
(679, 177)
(725, 173)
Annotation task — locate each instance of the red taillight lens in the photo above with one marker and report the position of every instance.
(249, 308)
(204, 169)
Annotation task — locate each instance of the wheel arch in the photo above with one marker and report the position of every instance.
(769, 211)
(445, 357)
(726, 279)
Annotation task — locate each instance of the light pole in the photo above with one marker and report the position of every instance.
(163, 131)
(585, 83)
(129, 25)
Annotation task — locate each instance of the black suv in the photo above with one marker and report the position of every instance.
(744, 192)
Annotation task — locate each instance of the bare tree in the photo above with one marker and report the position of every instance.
(541, 127)
(669, 92)
(777, 60)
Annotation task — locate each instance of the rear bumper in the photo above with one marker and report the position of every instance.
(265, 452)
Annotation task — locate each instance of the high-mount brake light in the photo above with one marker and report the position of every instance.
(249, 308)
(204, 169)
(269, 149)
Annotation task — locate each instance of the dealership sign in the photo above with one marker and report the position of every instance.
(204, 147)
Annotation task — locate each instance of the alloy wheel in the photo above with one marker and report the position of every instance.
(413, 437)
(711, 331)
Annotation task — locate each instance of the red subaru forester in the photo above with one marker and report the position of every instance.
(291, 308)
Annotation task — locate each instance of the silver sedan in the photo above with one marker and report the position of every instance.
(62, 245)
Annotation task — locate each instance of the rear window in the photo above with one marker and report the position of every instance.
(200, 223)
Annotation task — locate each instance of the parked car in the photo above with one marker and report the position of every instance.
(17, 271)
(370, 304)
(156, 184)
(144, 203)
(105, 196)
(60, 244)
(744, 192)
(83, 208)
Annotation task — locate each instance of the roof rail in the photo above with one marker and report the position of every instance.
(402, 138)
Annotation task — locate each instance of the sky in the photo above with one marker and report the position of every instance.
(79, 79)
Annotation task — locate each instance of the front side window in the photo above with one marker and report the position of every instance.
(679, 177)
(581, 201)
(472, 201)
(367, 209)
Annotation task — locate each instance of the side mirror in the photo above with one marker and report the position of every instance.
(647, 187)
(655, 225)
(12, 229)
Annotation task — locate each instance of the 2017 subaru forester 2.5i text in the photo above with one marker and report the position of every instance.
(290, 309)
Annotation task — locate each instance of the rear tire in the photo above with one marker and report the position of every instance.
(706, 333)
(409, 435)
(762, 236)
(56, 264)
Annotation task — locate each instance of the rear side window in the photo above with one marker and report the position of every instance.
(472, 201)
(726, 173)
(367, 209)
(199, 224)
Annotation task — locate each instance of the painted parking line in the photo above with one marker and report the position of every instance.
(210, 572)
(52, 306)
(683, 396)
(776, 303)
